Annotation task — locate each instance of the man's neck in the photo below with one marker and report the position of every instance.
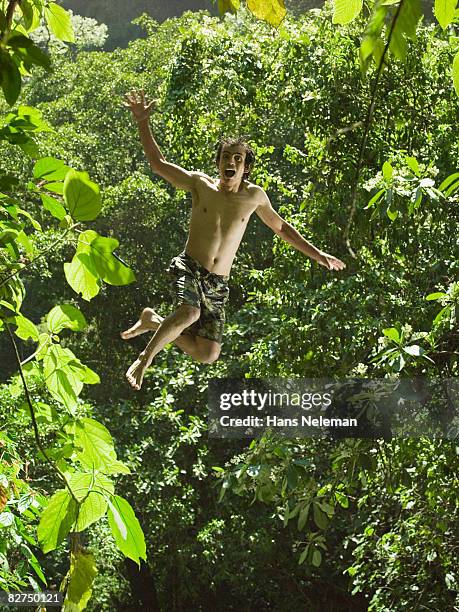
(230, 188)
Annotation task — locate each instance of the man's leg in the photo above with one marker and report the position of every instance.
(169, 330)
(201, 349)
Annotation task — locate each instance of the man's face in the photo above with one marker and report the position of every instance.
(232, 164)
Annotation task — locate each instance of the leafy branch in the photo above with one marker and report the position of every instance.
(367, 124)
(33, 416)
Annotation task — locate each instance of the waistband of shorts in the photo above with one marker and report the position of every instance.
(201, 268)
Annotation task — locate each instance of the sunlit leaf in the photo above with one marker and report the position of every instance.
(65, 316)
(81, 279)
(50, 169)
(59, 22)
(444, 11)
(81, 196)
(26, 329)
(126, 529)
(271, 11)
(228, 6)
(79, 580)
(346, 10)
(56, 520)
(456, 73)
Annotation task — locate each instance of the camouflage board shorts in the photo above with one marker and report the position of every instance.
(192, 284)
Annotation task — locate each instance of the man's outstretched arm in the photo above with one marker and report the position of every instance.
(177, 176)
(288, 233)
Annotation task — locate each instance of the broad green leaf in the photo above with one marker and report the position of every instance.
(375, 199)
(97, 450)
(65, 316)
(53, 206)
(89, 377)
(316, 557)
(443, 314)
(26, 52)
(55, 187)
(408, 19)
(62, 382)
(93, 488)
(81, 196)
(23, 239)
(387, 171)
(228, 6)
(56, 520)
(412, 163)
(26, 329)
(392, 214)
(436, 296)
(110, 269)
(303, 517)
(456, 73)
(444, 11)
(320, 518)
(50, 169)
(346, 10)
(271, 11)
(392, 333)
(58, 20)
(10, 78)
(79, 579)
(43, 341)
(36, 225)
(126, 529)
(26, 8)
(303, 556)
(8, 235)
(414, 350)
(31, 119)
(450, 183)
(95, 441)
(81, 279)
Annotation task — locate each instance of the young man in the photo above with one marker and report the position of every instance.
(221, 209)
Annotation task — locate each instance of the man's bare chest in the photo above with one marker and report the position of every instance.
(225, 208)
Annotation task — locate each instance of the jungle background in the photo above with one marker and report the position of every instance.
(276, 524)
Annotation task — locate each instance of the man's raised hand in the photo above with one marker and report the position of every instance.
(135, 101)
(330, 262)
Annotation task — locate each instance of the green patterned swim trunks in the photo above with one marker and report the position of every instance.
(193, 284)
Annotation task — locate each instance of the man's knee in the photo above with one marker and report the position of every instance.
(210, 353)
(188, 314)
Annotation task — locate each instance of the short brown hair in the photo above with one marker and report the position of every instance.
(227, 141)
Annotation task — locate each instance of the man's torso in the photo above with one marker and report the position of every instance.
(218, 222)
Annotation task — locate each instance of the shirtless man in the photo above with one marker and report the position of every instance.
(221, 209)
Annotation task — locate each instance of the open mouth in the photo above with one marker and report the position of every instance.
(230, 173)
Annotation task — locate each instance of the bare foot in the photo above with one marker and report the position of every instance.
(137, 370)
(148, 321)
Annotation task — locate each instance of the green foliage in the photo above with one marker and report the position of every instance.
(52, 368)
(20, 505)
(300, 96)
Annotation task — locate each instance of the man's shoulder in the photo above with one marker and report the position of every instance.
(202, 176)
(257, 193)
